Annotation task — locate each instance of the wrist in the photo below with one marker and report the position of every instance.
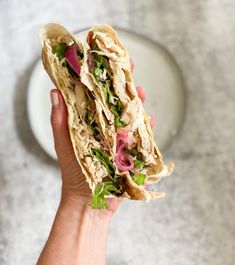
(72, 203)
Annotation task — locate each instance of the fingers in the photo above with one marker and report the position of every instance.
(152, 121)
(63, 145)
(132, 65)
(141, 93)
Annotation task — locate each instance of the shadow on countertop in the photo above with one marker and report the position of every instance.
(21, 118)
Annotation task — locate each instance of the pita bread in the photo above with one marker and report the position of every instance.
(83, 94)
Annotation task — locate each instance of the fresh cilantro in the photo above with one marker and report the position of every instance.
(98, 197)
(103, 157)
(138, 164)
(139, 179)
(60, 49)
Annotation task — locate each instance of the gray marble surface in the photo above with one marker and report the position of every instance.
(195, 223)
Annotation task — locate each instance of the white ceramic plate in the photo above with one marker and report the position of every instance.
(155, 71)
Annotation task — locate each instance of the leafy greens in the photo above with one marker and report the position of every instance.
(105, 85)
(60, 49)
(138, 164)
(108, 187)
(102, 189)
(139, 179)
(103, 157)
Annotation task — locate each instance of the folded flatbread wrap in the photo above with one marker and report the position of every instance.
(109, 129)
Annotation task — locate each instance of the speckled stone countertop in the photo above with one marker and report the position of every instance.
(195, 223)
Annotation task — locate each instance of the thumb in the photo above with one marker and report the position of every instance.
(63, 145)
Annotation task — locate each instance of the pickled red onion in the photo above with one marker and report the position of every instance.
(72, 58)
(123, 140)
(124, 162)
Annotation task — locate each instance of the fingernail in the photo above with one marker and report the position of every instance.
(140, 93)
(54, 99)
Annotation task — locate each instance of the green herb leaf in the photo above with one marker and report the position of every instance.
(139, 164)
(108, 93)
(97, 72)
(140, 178)
(119, 123)
(101, 62)
(103, 157)
(104, 88)
(98, 197)
(117, 110)
(60, 49)
(116, 107)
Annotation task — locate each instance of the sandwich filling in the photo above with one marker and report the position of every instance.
(127, 158)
